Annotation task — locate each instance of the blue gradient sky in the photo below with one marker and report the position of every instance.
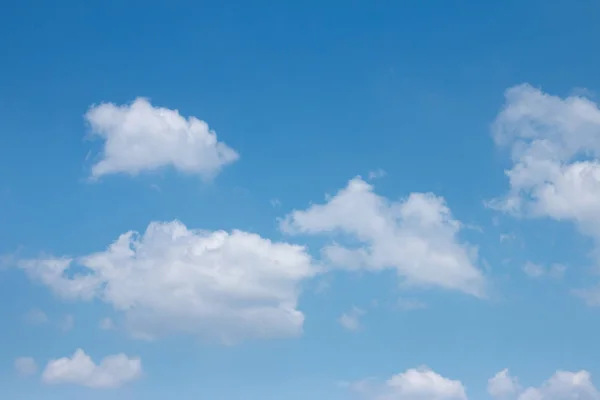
(310, 95)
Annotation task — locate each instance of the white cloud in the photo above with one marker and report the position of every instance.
(424, 384)
(36, 317)
(414, 384)
(555, 145)
(503, 386)
(415, 236)
(351, 319)
(106, 324)
(563, 385)
(112, 372)
(140, 137)
(555, 150)
(50, 271)
(26, 366)
(171, 279)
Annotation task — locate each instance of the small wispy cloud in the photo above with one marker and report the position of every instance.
(533, 270)
(507, 237)
(106, 324)
(351, 319)
(591, 296)
(582, 92)
(36, 317)
(376, 174)
(26, 366)
(67, 323)
(275, 203)
(410, 304)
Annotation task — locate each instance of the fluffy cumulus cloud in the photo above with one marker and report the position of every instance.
(503, 386)
(416, 236)
(141, 137)
(563, 385)
(112, 372)
(555, 151)
(216, 285)
(414, 384)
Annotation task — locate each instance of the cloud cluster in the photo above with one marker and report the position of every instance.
(425, 384)
(555, 152)
(112, 372)
(141, 137)
(414, 384)
(560, 386)
(171, 279)
(233, 286)
(416, 236)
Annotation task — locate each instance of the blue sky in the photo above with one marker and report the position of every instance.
(299, 200)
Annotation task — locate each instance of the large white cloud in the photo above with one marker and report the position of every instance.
(112, 372)
(416, 236)
(555, 145)
(414, 384)
(217, 285)
(563, 385)
(555, 153)
(140, 137)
